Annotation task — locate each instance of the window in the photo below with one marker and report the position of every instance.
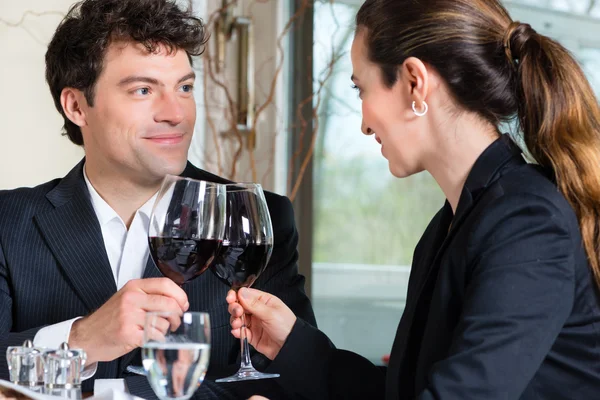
(366, 223)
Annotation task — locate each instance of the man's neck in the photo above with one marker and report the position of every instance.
(121, 193)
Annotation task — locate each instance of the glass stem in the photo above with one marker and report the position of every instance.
(245, 351)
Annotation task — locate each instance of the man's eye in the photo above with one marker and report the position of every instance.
(187, 88)
(142, 91)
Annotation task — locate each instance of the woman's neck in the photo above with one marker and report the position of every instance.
(458, 146)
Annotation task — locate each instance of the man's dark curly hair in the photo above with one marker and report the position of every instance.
(76, 52)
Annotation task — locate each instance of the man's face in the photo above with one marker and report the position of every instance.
(143, 116)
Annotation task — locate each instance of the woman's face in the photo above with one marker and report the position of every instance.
(387, 112)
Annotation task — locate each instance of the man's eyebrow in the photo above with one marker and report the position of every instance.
(134, 78)
(191, 75)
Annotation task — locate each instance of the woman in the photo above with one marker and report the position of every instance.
(503, 299)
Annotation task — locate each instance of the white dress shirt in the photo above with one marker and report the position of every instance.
(127, 252)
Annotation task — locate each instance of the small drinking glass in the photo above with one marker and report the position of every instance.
(176, 352)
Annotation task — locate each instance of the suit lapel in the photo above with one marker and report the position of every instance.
(151, 271)
(72, 232)
(424, 271)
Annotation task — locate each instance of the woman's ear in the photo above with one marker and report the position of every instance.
(415, 80)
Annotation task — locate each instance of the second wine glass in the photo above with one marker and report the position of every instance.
(186, 227)
(244, 254)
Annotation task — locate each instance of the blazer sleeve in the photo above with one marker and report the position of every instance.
(8, 338)
(519, 294)
(313, 369)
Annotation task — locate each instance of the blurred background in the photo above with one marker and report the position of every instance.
(275, 105)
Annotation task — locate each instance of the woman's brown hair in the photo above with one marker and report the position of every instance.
(502, 69)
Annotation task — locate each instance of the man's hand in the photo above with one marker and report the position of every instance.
(117, 327)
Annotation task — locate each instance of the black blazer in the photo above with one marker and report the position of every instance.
(54, 267)
(501, 305)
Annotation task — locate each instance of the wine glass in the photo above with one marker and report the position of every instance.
(176, 352)
(244, 254)
(186, 227)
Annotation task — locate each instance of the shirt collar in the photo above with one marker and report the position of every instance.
(146, 209)
(105, 212)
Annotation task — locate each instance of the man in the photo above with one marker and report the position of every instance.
(73, 250)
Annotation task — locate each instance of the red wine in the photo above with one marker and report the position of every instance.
(241, 265)
(182, 260)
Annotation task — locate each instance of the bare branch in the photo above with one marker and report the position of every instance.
(211, 123)
(303, 123)
(30, 12)
(315, 129)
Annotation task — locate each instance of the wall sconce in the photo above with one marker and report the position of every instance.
(227, 27)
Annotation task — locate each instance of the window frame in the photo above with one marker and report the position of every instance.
(553, 23)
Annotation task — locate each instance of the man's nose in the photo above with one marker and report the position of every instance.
(170, 110)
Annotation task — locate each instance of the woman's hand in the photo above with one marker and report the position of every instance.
(268, 320)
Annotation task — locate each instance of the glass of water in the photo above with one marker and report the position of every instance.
(176, 352)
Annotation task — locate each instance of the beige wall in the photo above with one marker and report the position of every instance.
(32, 149)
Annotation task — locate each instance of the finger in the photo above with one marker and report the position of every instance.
(167, 307)
(164, 287)
(160, 325)
(153, 334)
(236, 323)
(175, 323)
(231, 297)
(235, 309)
(237, 334)
(136, 317)
(160, 303)
(259, 303)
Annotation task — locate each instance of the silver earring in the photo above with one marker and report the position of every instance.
(420, 113)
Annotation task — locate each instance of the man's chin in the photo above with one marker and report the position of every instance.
(168, 168)
(177, 168)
